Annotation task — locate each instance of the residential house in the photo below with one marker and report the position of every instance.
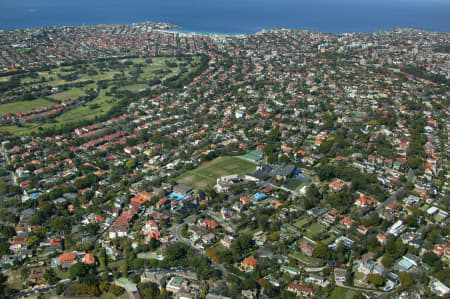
(307, 248)
(382, 239)
(66, 260)
(300, 290)
(249, 264)
(340, 275)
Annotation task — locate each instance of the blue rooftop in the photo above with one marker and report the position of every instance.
(259, 196)
(35, 195)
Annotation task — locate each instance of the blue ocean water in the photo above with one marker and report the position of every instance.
(233, 16)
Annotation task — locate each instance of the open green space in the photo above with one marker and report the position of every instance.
(296, 184)
(303, 258)
(116, 74)
(314, 229)
(424, 207)
(254, 155)
(24, 105)
(207, 174)
(342, 293)
(329, 240)
(135, 87)
(301, 222)
(73, 93)
(148, 255)
(439, 218)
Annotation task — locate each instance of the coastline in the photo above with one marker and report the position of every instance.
(210, 33)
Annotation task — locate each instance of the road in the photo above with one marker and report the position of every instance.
(364, 289)
(391, 199)
(46, 289)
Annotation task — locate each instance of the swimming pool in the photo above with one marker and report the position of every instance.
(179, 197)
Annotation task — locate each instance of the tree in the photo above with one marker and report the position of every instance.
(116, 290)
(92, 228)
(430, 258)
(444, 275)
(32, 241)
(124, 269)
(242, 243)
(59, 223)
(150, 290)
(376, 279)
(406, 279)
(175, 252)
(59, 288)
(50, 277)
(322, 251)
(4, 248)
(3, 286)
(79, 270)
(130, 164)
(387, 260)
(104, 286)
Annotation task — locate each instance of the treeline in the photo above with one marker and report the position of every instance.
(421, 72)
(327, 172)
(12, 83)
(180, 80)
(442, 49)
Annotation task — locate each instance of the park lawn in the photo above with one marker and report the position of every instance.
(341, 293)
(134, 87)
(314, 229)
(149, 255)
(15, 130)
(329, 240)
(301, 222)
(73, 93)
(15, 107)
(84, 112)
(157, 64)
(28, 80)
(207, 174)
(304, 258)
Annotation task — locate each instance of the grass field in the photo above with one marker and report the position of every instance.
(207, 174)
(147, 255)
(301, 222)
(24, 106)
(68, 94)
(314, 229)
(341, 293)
(97, 107)
(305, 259)
(135, 87)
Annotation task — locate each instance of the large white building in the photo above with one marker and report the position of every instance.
(396, 228)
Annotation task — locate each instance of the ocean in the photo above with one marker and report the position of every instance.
(233, 16)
